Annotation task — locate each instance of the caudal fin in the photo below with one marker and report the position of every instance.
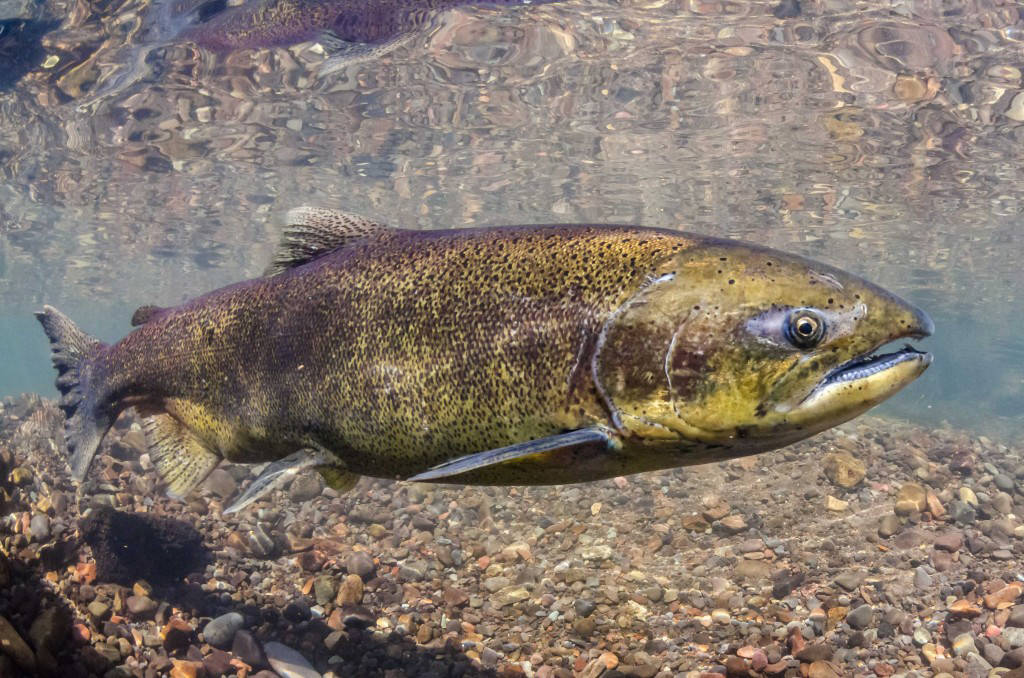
(86, 417)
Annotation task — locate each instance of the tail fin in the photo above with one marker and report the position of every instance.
(86, 420)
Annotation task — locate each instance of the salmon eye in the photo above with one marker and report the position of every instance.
(805, 328)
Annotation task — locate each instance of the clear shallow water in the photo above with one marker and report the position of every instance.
(886, 138)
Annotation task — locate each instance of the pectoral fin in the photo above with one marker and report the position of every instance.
(281, 471)
(181, 459)
(522, 461)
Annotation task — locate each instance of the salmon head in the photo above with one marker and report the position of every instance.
(743, 349)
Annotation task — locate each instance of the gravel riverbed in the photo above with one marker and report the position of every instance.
(879, 548)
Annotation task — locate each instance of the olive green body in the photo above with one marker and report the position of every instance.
(400, 351)
(514, 355)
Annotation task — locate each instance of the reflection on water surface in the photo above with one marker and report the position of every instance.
(882, 137)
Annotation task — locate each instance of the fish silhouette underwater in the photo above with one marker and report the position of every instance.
(525, 355)
(350, 31)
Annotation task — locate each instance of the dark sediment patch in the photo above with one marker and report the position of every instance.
(132, 546)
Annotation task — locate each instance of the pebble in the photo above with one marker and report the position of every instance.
(950, 541)
(963, 644)
(911, 498)
(360, 563)
(40, 527)
(1016, 617)
(1004, 482)
(861, 618)
(287, 662)
(843, 469)
(850, 581)
(1003, 596)
(596, 552)
(218, 663)
(245, 647)
(324, 590)
(815, 652)
(141, 606)
(21, 476)
(836, 505)
(99, 610)
(495, 584)
(220, 631)
(821, 669)
(888, 526)
(993, 654)
(584, 608)
(965, 609)
(733, 524)
(182, 668)
(1014, 637)
(351, 590)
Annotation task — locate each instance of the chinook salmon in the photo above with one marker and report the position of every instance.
(525, 355)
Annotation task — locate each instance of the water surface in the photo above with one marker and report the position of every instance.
(884, 137)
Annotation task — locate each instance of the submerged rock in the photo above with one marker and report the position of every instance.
(844, 470)
(220, 632)
(288, 663)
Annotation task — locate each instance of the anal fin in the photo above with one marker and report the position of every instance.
(534, 456)
(277, 473)
(180, 458)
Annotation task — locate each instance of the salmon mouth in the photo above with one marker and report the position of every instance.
(876, 375)
(863, 367)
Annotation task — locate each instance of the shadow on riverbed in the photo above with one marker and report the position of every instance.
(82, 596)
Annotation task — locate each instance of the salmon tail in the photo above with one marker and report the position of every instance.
(86, 416)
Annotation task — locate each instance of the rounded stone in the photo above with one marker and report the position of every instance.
(360, 563)
(40, 527)
(220, 631)
(861, 618)
(584, 608)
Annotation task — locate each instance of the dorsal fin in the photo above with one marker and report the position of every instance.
(314, 231)
(143, 314)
